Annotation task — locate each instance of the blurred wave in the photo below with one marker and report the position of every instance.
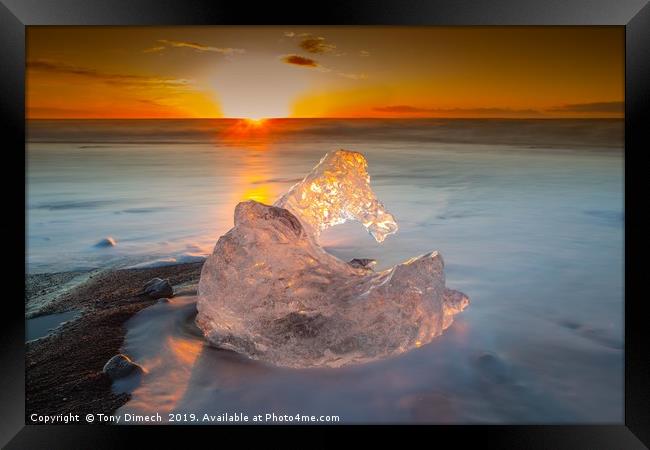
(536, 132)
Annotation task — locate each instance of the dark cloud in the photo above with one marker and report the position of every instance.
(300, 61)
(50, 66)
(595, 107)
(198, 47)
(406, 109)
(317, 44)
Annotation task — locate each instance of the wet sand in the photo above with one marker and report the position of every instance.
(64, 369)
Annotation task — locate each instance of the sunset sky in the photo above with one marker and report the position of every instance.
(292, 71)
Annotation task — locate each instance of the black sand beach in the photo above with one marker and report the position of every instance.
(64, 369)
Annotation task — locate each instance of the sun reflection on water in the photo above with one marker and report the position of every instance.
(249, 132)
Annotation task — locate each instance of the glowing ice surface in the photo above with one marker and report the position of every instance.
(335, 191)
(269, 290)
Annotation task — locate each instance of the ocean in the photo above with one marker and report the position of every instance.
(527, 214)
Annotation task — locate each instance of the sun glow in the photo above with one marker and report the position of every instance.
(247, 128)
(249, 133)
(255, 122)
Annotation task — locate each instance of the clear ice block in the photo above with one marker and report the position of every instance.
(271, 292)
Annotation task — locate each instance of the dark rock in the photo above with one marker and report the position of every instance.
(363, 263)
(158, 288)
(120, 366)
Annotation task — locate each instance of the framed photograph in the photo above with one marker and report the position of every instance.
(377, 213)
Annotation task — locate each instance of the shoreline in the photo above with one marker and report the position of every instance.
(63, 370)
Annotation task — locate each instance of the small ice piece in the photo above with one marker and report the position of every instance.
(271, 292)
(107, 242)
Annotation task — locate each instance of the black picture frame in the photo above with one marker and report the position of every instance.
(634, 15)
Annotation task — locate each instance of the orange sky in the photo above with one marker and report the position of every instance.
(263, 72)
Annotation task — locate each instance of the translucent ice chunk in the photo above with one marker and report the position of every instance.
(271, 292)
(338, 190)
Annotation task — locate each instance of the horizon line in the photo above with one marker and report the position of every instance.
(333, 118)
